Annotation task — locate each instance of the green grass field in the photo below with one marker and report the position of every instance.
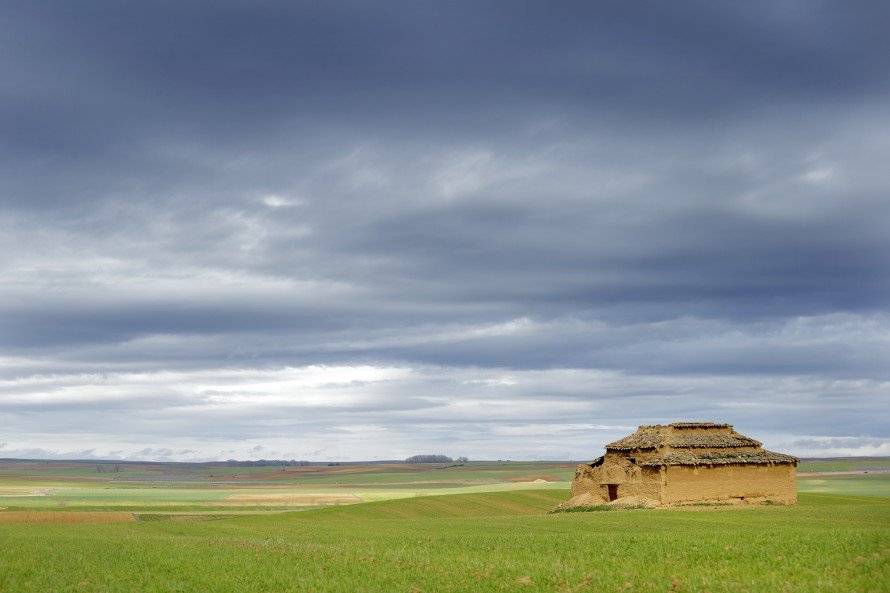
(479, 527)
(500, 541)
(877, 485)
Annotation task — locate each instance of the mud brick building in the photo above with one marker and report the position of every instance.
(686, 462)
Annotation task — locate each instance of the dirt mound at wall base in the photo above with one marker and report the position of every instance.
(582, 500)
(633, 502)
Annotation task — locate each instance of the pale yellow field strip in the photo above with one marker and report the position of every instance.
(65, 517)
(297, 498)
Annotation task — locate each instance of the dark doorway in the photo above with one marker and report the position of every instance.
(613, 491)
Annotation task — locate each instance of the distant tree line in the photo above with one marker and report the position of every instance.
(434, 459)
(429, 459)
(265, 462)
(108, 469)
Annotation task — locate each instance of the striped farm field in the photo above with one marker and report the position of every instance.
(211, 488)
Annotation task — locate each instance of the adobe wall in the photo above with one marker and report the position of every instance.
(730, 482)
(588, 481)
(631, 480)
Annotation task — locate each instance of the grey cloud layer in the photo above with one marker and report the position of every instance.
(670, 196)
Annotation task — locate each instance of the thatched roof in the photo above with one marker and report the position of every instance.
(737, 458)
(699, 425)
(703, 441)
(656, 436)
(682, 425)
(639, 440)
(687, 441)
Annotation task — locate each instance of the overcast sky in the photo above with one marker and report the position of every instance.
(504, 229)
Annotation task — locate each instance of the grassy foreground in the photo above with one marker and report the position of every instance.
(498, 541)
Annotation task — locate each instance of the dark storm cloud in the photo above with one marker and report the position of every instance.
(657, 193)
(121, 85)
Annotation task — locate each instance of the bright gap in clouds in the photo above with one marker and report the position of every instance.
(320, 412)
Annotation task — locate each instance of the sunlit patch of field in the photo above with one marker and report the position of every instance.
(23, 491)
(290, 499)
(65, 517)
(534, 478)
(859, 485)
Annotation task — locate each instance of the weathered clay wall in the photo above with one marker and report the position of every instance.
(630, 479)
(643, 482)
(588, 480)
(726, 482)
